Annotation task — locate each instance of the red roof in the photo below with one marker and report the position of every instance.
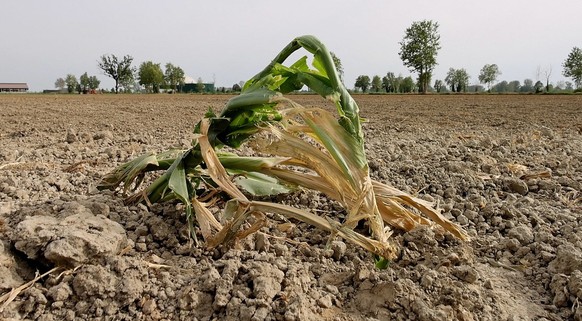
(14, 85)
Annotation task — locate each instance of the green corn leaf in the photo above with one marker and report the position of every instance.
(258, 184)
(380, 262)
(178, 183)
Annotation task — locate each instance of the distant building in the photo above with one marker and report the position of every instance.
(20, 87)
(193, 88)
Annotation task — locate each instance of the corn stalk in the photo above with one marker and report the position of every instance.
(311, 149)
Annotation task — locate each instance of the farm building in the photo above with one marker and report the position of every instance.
(193, 88)
(19, 87)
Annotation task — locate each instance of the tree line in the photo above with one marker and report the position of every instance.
(418, 51)
(126, 77)
(148, 77)
(84, 84)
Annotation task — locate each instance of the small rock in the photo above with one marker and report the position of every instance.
(71, 136)
(558, 286)
(568, 259)
(471, 215)
(512, 244)
(141, 230)
(339, 249)
(449, 192)
(149, 306)
(141, 247)
(465, 273)
(267, 280)
(522, 233)
(280, 249)
(261, 242)
(462, 219)
(516, 185)
(60, 292)
(575, 284)
(103, 134)
(325, 301)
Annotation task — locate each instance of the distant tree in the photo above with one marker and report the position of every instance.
(573, 66)
(475, 88)
(174, 76)
(569, 86)
(547, 74)
(419, 48)
(450, 79)
(391, 83)
(538, 87)
(60, 84)
(513, 86)
(376, 83)
(527, 86)
(489, 74)
(501, 87)
(200, 85)
(94, 82)
(150, 76)
(236, 87)
(120, 70)
(457, 79)
(362, 82)
(407, 85)
(84, 82)
(338, 65)
(438, 85)
(71, 83)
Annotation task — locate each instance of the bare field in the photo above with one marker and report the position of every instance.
(508, 168)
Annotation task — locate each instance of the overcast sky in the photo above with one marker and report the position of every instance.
(230, 41)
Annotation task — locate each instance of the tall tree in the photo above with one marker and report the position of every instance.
(84, 82)
(362, 82)
(501, 87)
(547, 75)
(174, 76)
(338, 65)
(489, 74)
(391, 83)
(376, 83)
(150, 76)
(438, 85)
(60, 83)
(419, 48)
(573, 66)
(71, 83)
(407, 85)
(457, 79)
(513, 86)
(538, 87)
(120, 70)
(528, 86)
(94, 82)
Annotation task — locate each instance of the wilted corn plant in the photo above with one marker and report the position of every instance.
(311, 149)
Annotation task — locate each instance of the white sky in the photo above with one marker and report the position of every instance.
(230, 40)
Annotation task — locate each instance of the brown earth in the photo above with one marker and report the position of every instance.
(506, 168)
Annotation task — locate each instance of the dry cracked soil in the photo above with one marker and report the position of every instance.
(507, 168)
